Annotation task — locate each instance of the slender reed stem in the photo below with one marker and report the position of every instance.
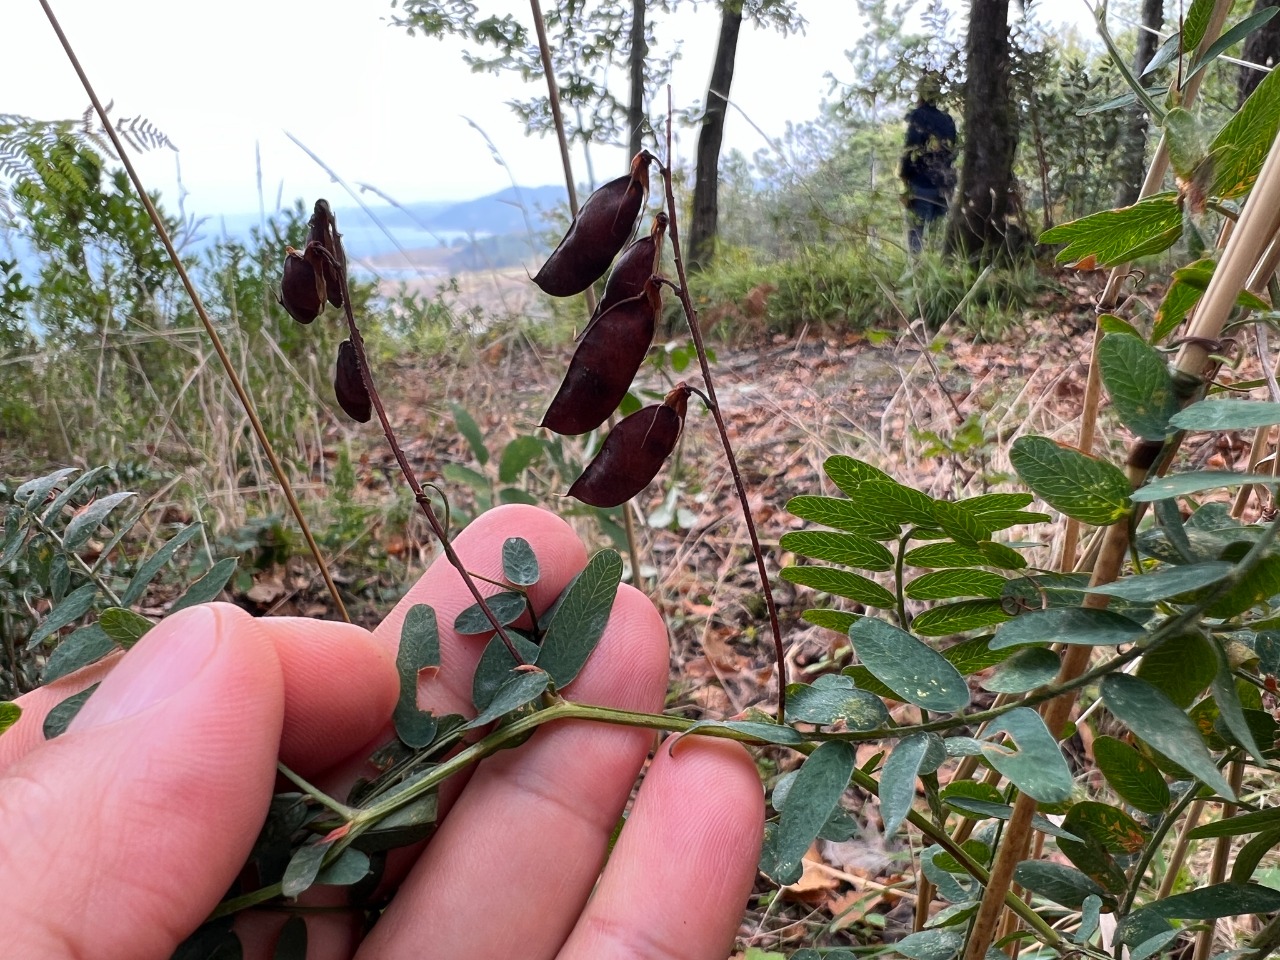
(241, 393)
(695, 331)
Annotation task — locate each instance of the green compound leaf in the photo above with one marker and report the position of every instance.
(518, 455)
(933, 556)
(468, 428)
(1216, 414)
(352, 866)
(1166, 583)
(507, 608)
(1131, 775)
(207, 587)
(1084, 488)
(949, 618)
(989, 503)
(57, 719)
(1034, 763)
(1255, 821)
(1181, 667)
(1255, 587)
(496, 665)
(841, 583)
(849, 474)
(85, 523)
(1118, 236)
(764, 732)
(913, 671)
(814, 794)
(124, 626)
(1155, 718)
(947, 584)
(1057, 882)
(1141, 389)
(848, 549)
(519, 564)
(1207, 903)
(834, 699)
(580, 618)
(73, 606)
(10, 712)
(83, 647)
(843, 515)
(153, 564)
(518, 689)
(303, 868)
(419, 650)
(930, 945)
(1025, 670)
(1196, 482)
(896, 502)
(1074, 625)
(32, 494)
(1250, 855)
(837, 620)
(905, 762)
(1241, 145)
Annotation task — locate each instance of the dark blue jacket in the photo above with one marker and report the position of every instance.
(930, 149)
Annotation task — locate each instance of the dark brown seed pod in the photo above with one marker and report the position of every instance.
(638, 263)
(604, 364)
(601, 228)
(323, 233)
(348, 385)
(633, 453)
(302, 287)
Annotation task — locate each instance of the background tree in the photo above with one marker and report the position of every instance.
(980, 223)
(1263, 47)
(1133, 132)
(588, 39)
(782, 15)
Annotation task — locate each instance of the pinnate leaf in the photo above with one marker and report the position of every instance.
(580, 618)
(1084, 488)
(814, 794)
(1138, 381)
(841, 583)
(1118, 236)
(1155, 718)
(912, 670)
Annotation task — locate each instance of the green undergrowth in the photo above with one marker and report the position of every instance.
(858, 287)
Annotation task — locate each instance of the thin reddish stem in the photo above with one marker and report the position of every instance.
(695, 331)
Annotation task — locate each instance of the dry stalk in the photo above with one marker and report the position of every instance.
(242, 394)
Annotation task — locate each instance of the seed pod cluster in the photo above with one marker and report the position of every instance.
(601, 228)
(311, 276)
(615, 340)
(634, 452)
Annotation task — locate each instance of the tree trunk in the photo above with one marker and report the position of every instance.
(980, 223)
(1132, 157)
(635, 63)
(1262, 46)
(706, 183)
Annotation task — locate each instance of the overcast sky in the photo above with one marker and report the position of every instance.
(379, 106)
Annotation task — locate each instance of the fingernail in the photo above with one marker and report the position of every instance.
(159, 666)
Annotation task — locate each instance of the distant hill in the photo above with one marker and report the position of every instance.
(496, 214)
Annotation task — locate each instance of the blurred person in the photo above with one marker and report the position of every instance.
(928, 156)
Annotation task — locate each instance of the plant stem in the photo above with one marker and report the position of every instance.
(695, 332)
(241, 393)
(411, 478)
(315, 793)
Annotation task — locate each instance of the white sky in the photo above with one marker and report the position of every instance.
(379, 106)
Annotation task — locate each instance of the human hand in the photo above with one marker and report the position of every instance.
(121, 835)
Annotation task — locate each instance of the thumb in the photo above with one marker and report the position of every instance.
(122, 834)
